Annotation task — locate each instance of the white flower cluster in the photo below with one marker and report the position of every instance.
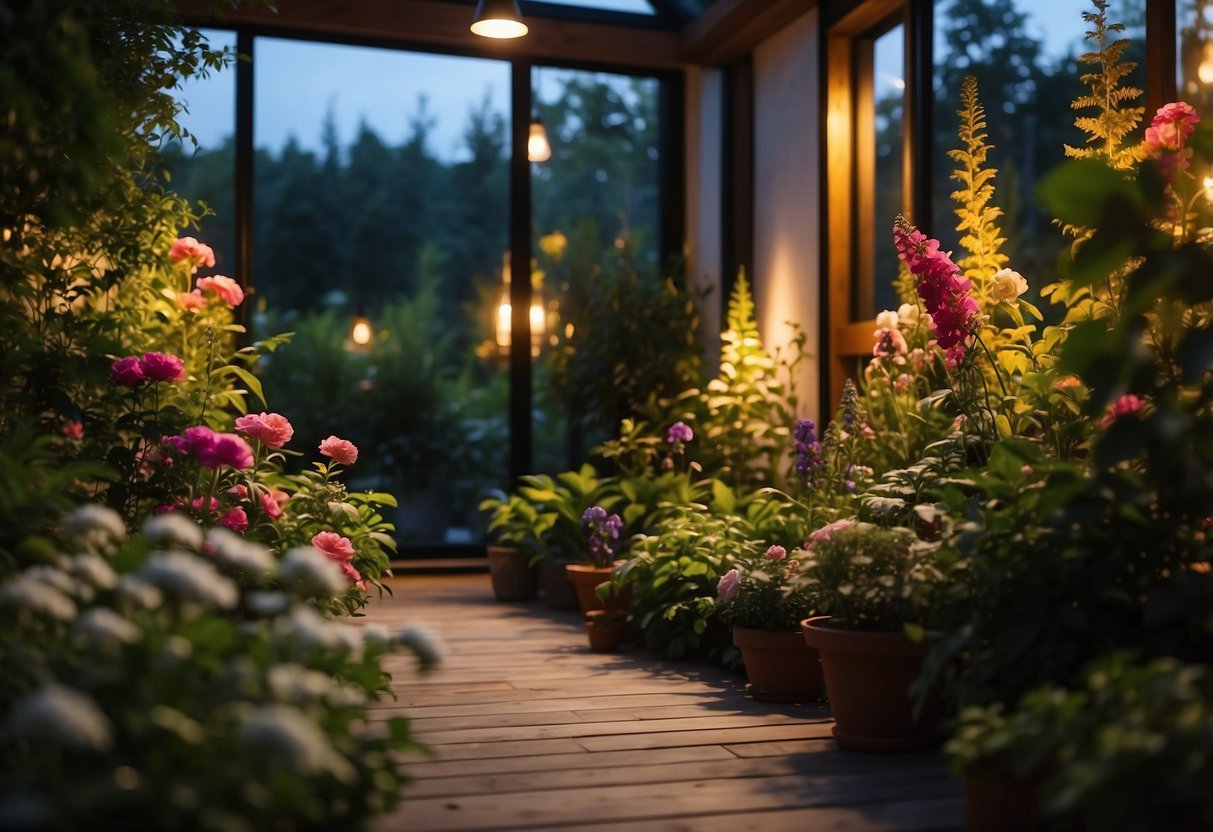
(238, 555)
(308, 570)
(61, 716)
(95, 528)
(190, 579)
(287, 737)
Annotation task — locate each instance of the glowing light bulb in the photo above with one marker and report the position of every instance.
(1205, 70)
(360, 332)
(537, 147)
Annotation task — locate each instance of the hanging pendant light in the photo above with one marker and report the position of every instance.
(537, 147)
(498, 19)
(361, 331)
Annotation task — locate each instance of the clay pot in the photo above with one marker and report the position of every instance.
(779, 665)
(585, 579)
(996, 802)
(867, 679)
(513, 576)
(605, 629)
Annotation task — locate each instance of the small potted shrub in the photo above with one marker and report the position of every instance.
(874, 585)
(766, 613)
(588, 576)
(512, 558)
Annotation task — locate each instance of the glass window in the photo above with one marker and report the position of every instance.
(595, 221)
(206, 171)
(1023, 54)
(633, 6)
(881, 131)
(1194, 54)
(381, 197)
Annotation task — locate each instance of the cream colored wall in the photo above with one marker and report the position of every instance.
(704, 96)
(788, 194)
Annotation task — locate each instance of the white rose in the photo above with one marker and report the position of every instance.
(886, 320)
(907, 313)
(1007, 285)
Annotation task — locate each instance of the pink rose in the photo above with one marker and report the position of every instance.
(227, 449)
(341, 451)
(1171, 127)
(73, 429)
(190, 301)
(271, 429)
(192, 441)
(127, 372)
(270, 505)
(187, 248)
(159, 366)
(826, 532)
(728, 585)
(776, 553)
(236, 520)
(352, 573)
(201, 504)
(1126, 407)
(239, 491)
(224, 287)
(334, 545)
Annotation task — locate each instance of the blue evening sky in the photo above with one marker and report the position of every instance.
(297, 83)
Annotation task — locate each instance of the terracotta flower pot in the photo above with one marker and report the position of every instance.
(996, 802)
(781, 667)
(586, 578)
(867, 678)
(513, 576)
(605, 629)
(557, 590)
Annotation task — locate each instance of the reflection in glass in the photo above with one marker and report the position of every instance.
(381, 188)
(888, 92)
(1195, 54)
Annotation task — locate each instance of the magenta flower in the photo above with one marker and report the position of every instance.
(271, 507)
(200, 504)
(192, 441)
(1127, 406)
(236, 520)
(944, 291)
(224, 288)
(1171, 127)
(776, 553)
(334, 546)
(127, 372)
(73, 429)
(271, 429)
(187, 248)
(341, 451)
(159, 366)
(728, 585)
(679, 432)
(226, 449)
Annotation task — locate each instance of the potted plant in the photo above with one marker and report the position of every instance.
(766, 613)
(588, 576)
(512, 556)
(873, 584)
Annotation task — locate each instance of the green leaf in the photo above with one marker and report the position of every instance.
(248, 379)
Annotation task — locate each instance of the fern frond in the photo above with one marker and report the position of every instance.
(980, 236)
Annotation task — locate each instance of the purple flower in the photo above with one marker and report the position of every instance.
(127, 372)
(159, 366)
(593, 515)
(679, 432)
(808, 449)
(849, 397)
(603, 529)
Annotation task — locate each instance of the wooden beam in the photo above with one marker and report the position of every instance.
(730, 29)
(443, 25)
(854, 339)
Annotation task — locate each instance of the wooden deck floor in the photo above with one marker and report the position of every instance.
(532, 731)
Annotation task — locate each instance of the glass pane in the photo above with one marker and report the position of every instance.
(206, 172)
(1023, 54)
(888, 94)
(381, 190)
(595, 215)
(1195, 54)
(633, 6)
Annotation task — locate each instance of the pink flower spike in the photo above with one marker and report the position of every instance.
(236, 520)
(127, 372)
(271, 429)
(334, 545)
(225, 288)
(188, 248)
(341, 451)
(159, 366)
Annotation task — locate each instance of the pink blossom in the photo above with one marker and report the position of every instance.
(270, 505)
(225, 288)
(127, 372)
(776, 553)
(236, 520)
(187, 248)
(201, 504)
(334, 545)
(890, 343)
(352, 574)
(73, 429)
(190, 301)
(943, 290)
(729, 583)
(239, 491)
(902, 382)
(867, 433)
(271, 429)
(341, 451)
(192, 441)
(1127, 406)
(826, 532)
(1171, 127)
(227, 449)
(164, 508)
(159, 366)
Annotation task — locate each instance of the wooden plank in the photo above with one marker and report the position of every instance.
(762, 733)
(497, 750)
(495, 720)
(731, 29)
(543, 702)
(581, 759)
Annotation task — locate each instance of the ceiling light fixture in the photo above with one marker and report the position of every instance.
(498, 19)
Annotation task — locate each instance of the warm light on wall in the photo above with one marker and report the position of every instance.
(1204, 71)
(505, 312)
(361, 332)
(498, 19)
